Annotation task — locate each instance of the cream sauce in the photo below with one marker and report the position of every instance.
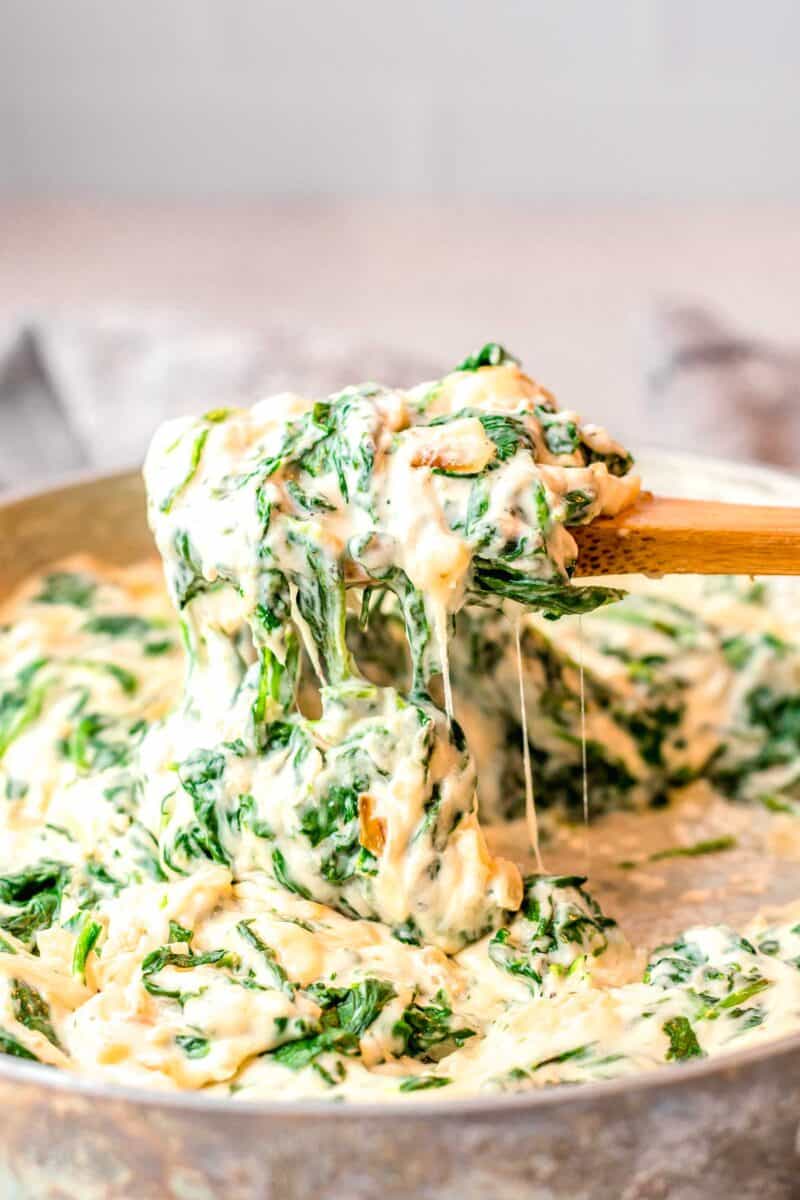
(531, 819)
(202, 887)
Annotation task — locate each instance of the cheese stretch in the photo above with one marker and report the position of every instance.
(240, 845)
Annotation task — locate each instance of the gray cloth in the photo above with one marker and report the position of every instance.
(81, 395)
(88, 394)
(716, 391)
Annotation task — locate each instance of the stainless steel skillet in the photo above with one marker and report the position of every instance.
(727, 1126)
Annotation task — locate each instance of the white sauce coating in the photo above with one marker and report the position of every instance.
(210, 888)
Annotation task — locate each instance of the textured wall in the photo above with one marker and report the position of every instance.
(598, 99)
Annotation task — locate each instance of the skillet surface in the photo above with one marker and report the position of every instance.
(724, 1125)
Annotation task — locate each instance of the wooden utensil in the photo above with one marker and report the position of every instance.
(662, 536)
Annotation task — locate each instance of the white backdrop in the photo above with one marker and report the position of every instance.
(547, 99)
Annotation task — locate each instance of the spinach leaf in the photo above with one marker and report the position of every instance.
(352, 1009)
(36, 893)
(338, 806)
(553, 598)
(126, 679)
(408, 933)
(777, 714)
(187, 575)
(307, 503)
(116, 625)
(165, 956)
(179, 933)
(194, 462)
(201, 776)
(84, 944)
(273, 604)
(10, 1045)
(67, 587)
(417, 629)
(708, 846)
(577, 504)
(276, 682)
(675, 964)
(560, 436)
(617, 462)
(32, 1010)
(22, 886)
(683, 1043)
(507, 433)
(156, 960)
(279, 977)
(38, 913)
(347, 1014)
(719, 974)
(192, 1045)
(21, 705)
(557, 928)
(281, 872)
(88, 747)
(305, 1051)
(576, 1054)
(322, 605)
(419, 1083)
(346, 446)
(651, 727)
(490, 355)
(428, 1031)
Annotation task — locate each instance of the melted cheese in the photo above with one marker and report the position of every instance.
(202, 886)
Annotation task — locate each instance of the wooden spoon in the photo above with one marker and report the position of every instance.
(661, 536)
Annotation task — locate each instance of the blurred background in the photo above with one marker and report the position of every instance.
(203, 200)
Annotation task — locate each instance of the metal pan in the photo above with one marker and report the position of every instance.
(726, 1126)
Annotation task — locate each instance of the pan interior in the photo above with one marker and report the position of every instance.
(653, 901)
